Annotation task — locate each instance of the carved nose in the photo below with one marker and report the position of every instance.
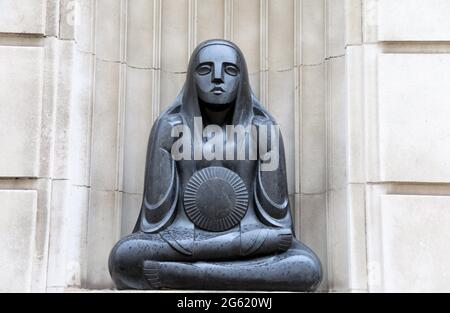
(217, 76)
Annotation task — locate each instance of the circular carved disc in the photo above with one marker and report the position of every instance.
(215, 199)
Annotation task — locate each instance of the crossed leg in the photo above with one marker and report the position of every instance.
(146, 261)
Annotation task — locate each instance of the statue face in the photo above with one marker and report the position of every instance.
(217, 75)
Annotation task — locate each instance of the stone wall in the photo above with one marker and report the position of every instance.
(358, 86)
(36, 81)
(398, 158)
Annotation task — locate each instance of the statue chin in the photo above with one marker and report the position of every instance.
(216, 107)
(214, 224)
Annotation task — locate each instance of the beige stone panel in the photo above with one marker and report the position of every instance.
(17, 230)
(313, 130)
(373, 195)
(246, 32)
(50, 72)
(370, 21)
(58, 233)
(103, 233)
(337, 124)
(108, 30)
(335, 28)
(62, 109)
(281, 105)
(81, 114)
(415, 241)
(22, 16)
(413, 111)
(357, 237)
(76, 239)
(313, 30)
(355, 117)
(210, 19)
(313, 229)
(130, 212)
(371, 54)
(174, 35)
(21, 86)
(41, 236)
(39, 231)
(414, 20)
(353, 22)
(140, 33)
(105, 120)
(171, 85)
(84, 25)
(338, 241)
(138, 122)
(281, 34)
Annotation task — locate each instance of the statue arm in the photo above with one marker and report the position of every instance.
(161, 186)
(270, 189)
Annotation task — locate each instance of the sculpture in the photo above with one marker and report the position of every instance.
(214, 224)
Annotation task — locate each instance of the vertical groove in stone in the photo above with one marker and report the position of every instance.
(264, 53)
(328, 127)
(87, 282)
(297, 84)
(156, 63)
(123, 30)
(326, 15)
(94, 80)
(192, 27)
(84, 253)
(297, 108)
(121, 110)
(228, 19)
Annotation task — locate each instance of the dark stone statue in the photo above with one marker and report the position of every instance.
(222, 223)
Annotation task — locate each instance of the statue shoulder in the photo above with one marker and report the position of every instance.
(163, 126)
(265, 124)
(169, 118)
(262, 117)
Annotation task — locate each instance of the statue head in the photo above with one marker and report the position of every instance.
(217, 75)
(217, 78)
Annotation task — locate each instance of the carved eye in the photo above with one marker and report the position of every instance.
(204, 69)
(231, 70)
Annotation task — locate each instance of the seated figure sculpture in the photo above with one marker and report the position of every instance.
(217, 224)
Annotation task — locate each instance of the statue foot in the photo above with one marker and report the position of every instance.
(152, 274)
(265, 242)
(294, 270)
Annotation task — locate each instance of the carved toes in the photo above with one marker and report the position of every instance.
(151, 271)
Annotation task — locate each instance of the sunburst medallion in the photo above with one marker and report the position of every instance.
(215, 199)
